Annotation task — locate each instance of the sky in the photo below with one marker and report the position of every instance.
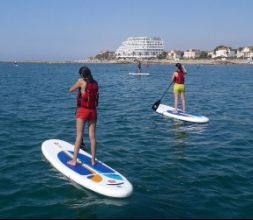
(78, 29)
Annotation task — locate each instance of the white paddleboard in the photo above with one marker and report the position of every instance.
(139, 74)
(170, 112)
(99, 178)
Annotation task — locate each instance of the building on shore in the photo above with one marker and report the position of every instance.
(192, 54)
(140, 48)
(105, 55)
(175, 55)
(223, 52)
(245, 53)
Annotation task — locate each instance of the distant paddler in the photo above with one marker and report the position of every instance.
(139, 66)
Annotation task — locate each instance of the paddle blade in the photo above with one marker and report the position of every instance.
(156, 105)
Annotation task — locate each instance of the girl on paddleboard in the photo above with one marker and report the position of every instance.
(86, 111)
(178, 78)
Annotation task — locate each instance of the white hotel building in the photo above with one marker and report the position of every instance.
(140, 47)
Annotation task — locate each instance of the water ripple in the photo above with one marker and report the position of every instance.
(178, 169)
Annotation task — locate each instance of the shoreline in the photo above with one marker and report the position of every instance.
(144, 62)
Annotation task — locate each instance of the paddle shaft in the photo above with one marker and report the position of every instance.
(166, 90)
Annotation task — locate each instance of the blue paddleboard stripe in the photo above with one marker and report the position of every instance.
(114, 176)
(64, 158)
(178, 113)
(99, 166)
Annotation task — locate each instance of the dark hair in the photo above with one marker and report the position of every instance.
(179, 66)
(85, 73)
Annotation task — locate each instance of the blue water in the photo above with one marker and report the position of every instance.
(178, 170)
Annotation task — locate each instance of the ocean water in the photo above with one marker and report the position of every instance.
(177, 169)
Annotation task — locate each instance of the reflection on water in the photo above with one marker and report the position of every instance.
(187, 127)
(92, 199)
(180, 134)
(183, 130)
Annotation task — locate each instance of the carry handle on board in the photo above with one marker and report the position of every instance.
(157, 103)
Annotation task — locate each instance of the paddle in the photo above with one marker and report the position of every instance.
(157, 103)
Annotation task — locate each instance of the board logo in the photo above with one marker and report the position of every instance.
(57, 144)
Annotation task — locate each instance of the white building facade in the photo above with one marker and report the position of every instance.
(245, 52)
(192, 54)
(140, 47)
(224, 52)
(175, 54)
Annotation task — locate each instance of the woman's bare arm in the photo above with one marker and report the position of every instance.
(184, 69)
(76, 86)
(173, 76)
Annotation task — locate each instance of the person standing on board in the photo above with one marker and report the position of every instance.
(139, 66)
(86, 112)
(78, 105)
(178, 78)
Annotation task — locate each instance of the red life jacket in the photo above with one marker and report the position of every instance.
(180, 77)
(90, 97)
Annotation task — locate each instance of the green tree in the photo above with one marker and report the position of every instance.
(162, 55)
(203, 55)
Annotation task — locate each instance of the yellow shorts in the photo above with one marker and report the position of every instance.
(179, 88)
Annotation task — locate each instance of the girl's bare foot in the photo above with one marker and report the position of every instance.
(72, 163)
(93, 162)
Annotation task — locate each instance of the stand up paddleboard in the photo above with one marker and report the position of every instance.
(170, 112)
(139, 74)
(99, 178)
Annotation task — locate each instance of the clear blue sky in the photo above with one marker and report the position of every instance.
(75, 29)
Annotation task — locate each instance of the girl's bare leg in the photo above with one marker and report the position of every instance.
(183, 101)
(92, 135)
(176, 101)
(79, 136)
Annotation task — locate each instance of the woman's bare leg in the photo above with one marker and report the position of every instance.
(183, 101)
(92, 135)
(79, 136)
(176, 101)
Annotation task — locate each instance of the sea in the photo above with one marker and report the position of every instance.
(177, 169)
